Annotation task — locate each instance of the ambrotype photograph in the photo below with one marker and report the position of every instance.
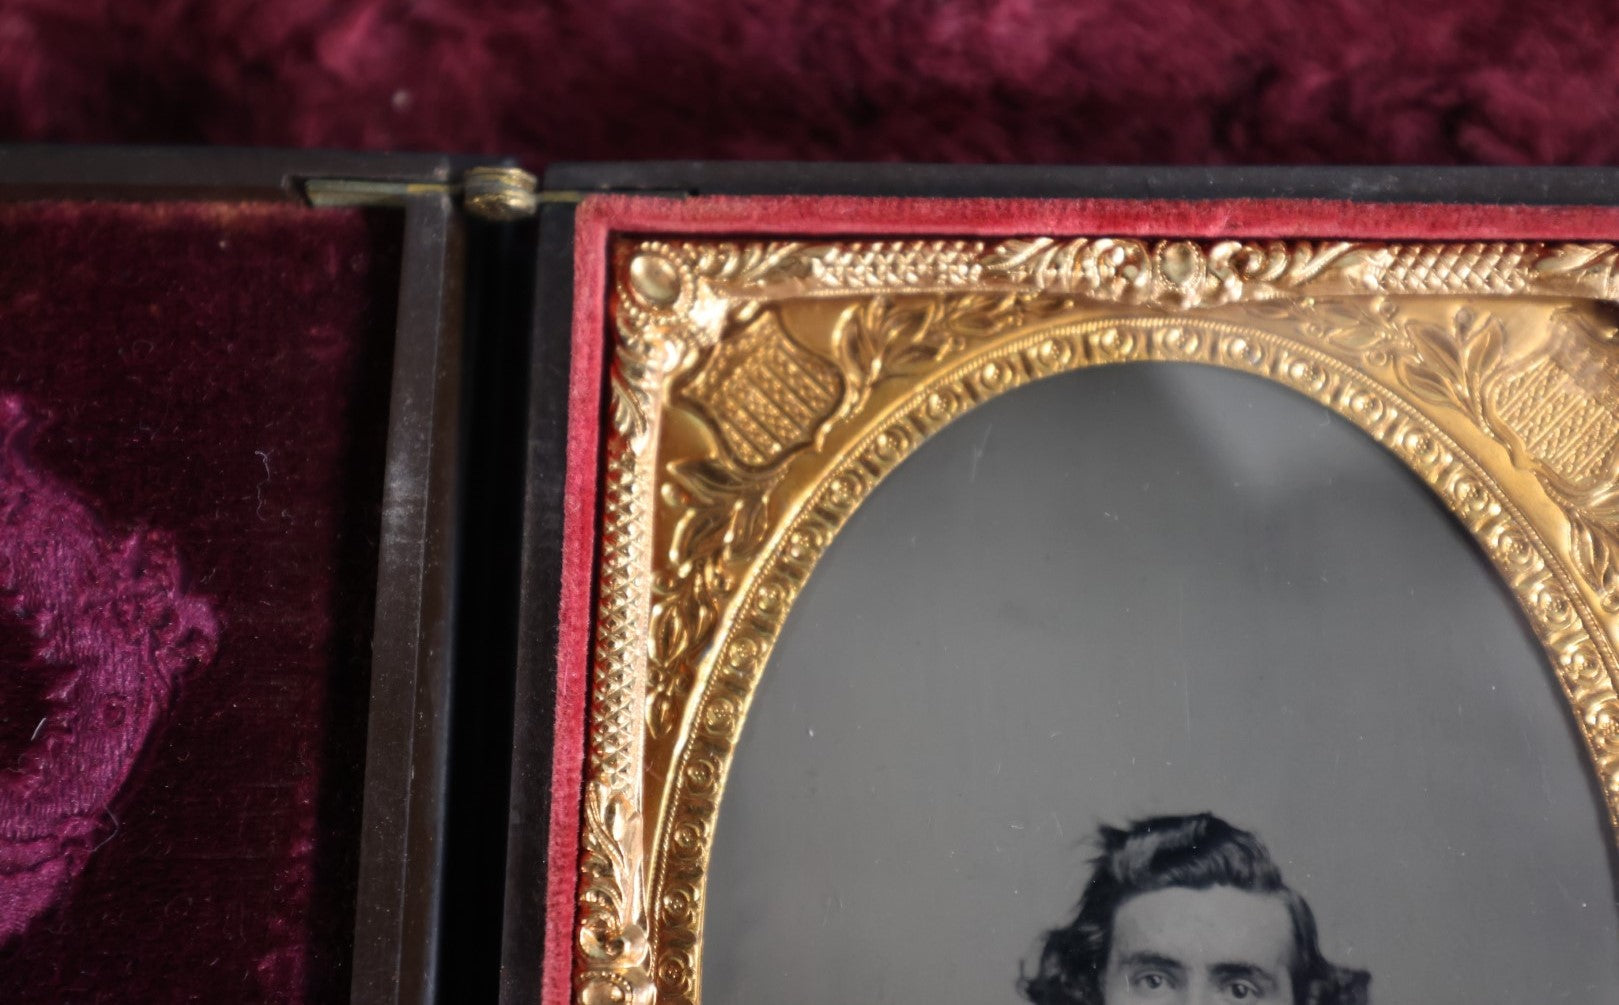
(1093, 620)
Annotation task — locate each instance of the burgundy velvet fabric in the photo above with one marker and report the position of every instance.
(1089, 81)
(104, 633)
(208, 383)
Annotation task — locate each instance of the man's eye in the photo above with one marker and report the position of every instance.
(1151, 980)
(1243, 991)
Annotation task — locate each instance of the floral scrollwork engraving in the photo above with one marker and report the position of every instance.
(1174, 274)
(612, 933)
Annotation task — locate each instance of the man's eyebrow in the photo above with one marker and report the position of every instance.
(1149, 959)
(1250, 971)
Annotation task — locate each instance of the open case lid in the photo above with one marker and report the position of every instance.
(255, 320)
(559, 732)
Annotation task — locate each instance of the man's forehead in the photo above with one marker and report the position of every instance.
(1204, 928)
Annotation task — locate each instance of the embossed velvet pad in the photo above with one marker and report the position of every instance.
(216, 376)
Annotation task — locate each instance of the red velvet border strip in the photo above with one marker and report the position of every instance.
(574, 616)
(601, 217)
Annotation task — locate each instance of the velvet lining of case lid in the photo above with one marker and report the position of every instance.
(602, 218)
(219, 374)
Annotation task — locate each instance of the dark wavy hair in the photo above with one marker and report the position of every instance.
(1198, 852)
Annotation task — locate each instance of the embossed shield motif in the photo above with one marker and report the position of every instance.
(1556, 405)
(764, 393)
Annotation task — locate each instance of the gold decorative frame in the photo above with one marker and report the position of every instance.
(761, 390)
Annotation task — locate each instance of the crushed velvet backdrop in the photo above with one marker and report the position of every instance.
(205, 391)
(1373, 81)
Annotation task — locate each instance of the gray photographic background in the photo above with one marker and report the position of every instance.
(1141, 590)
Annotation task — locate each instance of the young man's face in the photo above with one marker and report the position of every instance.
(1180, 946)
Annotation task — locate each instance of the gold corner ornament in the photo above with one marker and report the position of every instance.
(761, 390)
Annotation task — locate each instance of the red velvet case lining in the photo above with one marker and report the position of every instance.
(601, 218)
(219, 373)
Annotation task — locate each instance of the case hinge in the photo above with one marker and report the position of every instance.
(489, 193)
